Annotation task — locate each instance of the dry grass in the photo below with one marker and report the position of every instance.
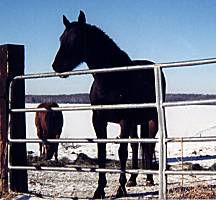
(197, 192)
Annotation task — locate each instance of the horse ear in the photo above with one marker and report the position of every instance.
(82, 18)
(66, 21)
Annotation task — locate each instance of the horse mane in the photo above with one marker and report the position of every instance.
(101, 35)
(107, 44)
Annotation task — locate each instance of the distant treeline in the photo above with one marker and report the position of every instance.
(189, 97)
(72, 98)
(84, 98)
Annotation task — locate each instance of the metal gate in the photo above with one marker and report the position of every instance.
(159, 104)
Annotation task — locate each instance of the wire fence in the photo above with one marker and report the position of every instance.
(159, 104)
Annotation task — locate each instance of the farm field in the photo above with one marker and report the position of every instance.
(199, 121)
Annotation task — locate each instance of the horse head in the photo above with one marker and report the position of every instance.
(83, 42)
(72, 45)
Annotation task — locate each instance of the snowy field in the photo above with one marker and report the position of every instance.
(199, 121)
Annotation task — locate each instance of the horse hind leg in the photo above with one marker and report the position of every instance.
(40, 135)
(148, 130)
(133, 134)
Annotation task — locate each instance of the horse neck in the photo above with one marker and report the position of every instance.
(102, 52)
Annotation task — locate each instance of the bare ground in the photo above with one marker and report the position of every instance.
(81, 185)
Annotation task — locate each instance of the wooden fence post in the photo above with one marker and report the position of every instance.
(11, 65)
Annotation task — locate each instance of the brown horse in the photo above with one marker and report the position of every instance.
(49, 126)
(83, 42)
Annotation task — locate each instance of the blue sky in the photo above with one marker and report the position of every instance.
(161, 31)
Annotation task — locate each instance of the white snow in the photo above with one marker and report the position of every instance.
(183, 121)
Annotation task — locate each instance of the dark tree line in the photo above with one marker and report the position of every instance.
(84, 98)
(73, 98)
(189, 97)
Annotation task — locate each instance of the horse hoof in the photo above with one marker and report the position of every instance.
(99, 194)
(131, 183)
(121, 192)
(150, 183)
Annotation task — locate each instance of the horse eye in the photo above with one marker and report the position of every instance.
(64, 34)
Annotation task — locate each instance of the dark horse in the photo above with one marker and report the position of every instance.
(82, 42)
(49, 126)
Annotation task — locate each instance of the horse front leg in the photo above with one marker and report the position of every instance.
(40, 149)
(148, 130)
(56, 151)
(56, 148)
(101, 133)
(123, 155)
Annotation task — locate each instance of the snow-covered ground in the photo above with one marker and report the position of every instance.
(184, 121)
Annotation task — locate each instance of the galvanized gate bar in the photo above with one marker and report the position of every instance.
(90, 107)
(190, 172)
(84, 169)
(117, 69)
(160, 105)
(188, 63)
(129, 171)
(190, 103)
(87, 140)
(117, 106)
(192, 139)
(162, 133)
(114, 140)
